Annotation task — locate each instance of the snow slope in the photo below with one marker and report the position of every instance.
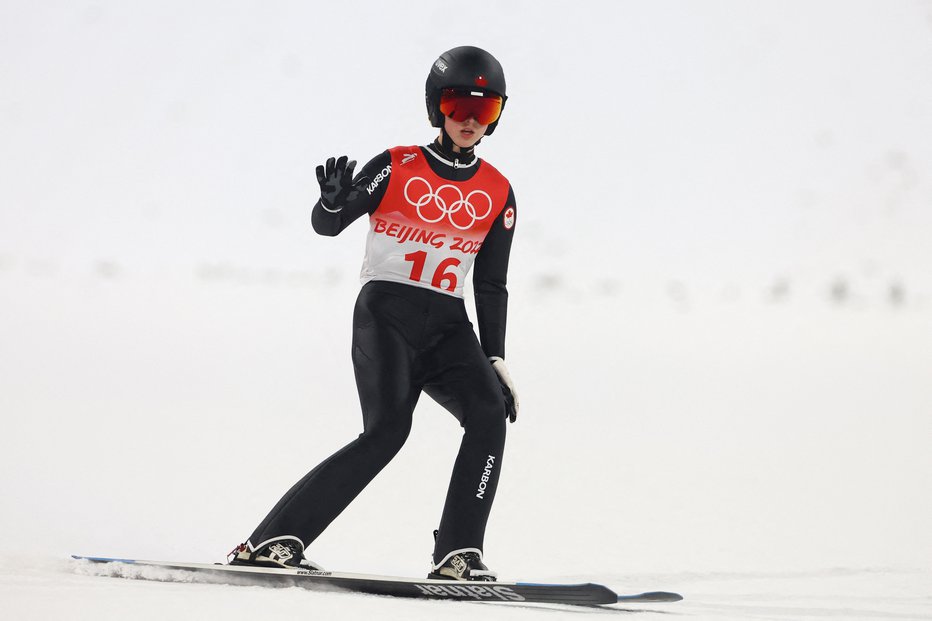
(723, 353)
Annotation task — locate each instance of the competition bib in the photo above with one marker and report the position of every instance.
(427, 230)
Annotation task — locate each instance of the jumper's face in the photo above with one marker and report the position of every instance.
(466, 133)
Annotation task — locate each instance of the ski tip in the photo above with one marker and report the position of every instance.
(651, 596)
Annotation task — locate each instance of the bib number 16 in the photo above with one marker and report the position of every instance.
(444, 277)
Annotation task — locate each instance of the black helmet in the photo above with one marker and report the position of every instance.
(463, 67)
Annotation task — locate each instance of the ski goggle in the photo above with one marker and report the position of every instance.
(460, 104)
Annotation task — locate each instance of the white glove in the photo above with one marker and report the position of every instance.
(508, 388)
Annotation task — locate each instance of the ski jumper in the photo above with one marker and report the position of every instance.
(433, 215)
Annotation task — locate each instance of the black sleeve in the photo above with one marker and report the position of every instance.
(491, 277)
(371, 183)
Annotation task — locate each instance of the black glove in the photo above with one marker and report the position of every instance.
(336, 183)
(511, 406)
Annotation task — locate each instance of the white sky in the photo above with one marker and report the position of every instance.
(677, 140)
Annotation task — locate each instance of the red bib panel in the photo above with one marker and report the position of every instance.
(427, 230)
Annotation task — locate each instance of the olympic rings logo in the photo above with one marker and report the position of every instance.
(448, 202)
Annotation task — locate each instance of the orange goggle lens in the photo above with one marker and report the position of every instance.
(461, 104)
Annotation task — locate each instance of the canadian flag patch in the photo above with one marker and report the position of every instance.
(509, 217)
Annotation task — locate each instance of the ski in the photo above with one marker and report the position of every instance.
(586, 594)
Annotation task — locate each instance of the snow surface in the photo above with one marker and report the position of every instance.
(720, 301)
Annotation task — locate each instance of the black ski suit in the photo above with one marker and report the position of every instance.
(411, 333)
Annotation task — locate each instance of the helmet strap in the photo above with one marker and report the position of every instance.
(447, 144)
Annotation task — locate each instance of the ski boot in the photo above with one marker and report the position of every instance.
(464, 565)
(281, 552)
